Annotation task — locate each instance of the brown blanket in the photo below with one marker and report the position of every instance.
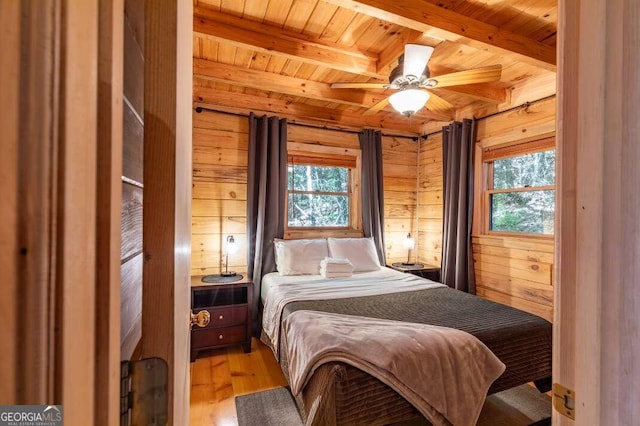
(443, 372)
(520, 340)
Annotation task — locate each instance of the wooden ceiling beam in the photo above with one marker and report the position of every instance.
(433, 20)
(242, 103)
(261, 80)
(269, 39)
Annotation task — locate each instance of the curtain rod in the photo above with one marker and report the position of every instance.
(493, 114)
(199, 109)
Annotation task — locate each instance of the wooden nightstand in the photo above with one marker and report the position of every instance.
(423, 270)
(229, 308)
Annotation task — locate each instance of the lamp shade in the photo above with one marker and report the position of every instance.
(231, 248)
(407, 102)
(231, 245)
(409, 242)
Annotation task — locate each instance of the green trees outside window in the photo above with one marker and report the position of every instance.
(318, 196)
(522, 197)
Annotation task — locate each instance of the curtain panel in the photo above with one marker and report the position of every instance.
(266, 191)
(372, 185)
(457, 156)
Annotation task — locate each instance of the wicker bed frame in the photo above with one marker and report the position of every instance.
(339, 394)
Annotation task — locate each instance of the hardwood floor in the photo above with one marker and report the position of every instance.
(219, 376)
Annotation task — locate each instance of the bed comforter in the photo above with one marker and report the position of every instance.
(341, 394)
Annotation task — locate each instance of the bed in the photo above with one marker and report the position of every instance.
(339, 394)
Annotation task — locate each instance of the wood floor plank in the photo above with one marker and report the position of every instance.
(212, 398)
(253, 372)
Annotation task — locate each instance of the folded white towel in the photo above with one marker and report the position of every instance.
(337, 260)
(336, 265)
(326, 274)
(338, 268)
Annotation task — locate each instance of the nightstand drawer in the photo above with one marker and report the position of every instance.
(224, 317)
(205, 338)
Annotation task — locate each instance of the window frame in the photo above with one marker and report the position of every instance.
(491, 154)
(327, 156)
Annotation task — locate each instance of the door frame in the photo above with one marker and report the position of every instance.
(596, 326)
(109, 200)
(50, 222)
(10, 40)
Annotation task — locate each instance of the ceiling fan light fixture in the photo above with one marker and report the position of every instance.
(408, 101)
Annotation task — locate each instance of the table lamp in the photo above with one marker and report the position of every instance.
(230, 248)
(409, 244)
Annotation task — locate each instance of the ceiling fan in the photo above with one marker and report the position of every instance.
(411, 79)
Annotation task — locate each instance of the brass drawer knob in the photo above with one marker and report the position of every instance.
(221, 317)
(201, 319)
(220, 337)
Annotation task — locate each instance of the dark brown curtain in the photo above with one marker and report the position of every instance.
(457, 157)
(372, 189)
(267, 181)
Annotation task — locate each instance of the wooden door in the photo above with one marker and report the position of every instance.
(596, 325)
(167, 194)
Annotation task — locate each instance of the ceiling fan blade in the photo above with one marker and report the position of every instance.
(358, 86)
(416, 57)
(436, 103)
(377, 107)
(477, 75)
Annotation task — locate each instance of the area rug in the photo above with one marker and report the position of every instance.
(520, 406)
(273, 407)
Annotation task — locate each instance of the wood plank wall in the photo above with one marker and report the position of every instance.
(219, 195)
(430, 205)
(400, 166)
(132, 180)
(516, 272)
(510, 270)
(220, 186)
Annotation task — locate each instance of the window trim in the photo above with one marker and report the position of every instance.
(487, 157)
(328, 156)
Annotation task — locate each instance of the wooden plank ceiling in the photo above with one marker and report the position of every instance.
(281, 56)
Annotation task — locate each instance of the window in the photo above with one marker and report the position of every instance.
(520, 194)
(318, 196)
(321, 184)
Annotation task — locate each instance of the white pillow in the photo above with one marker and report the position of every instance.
(360, 251)
(300, 257)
